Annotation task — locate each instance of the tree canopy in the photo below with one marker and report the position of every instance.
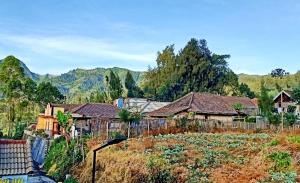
(47, 93)
(193, 68)
(132, 89)
(115, 88)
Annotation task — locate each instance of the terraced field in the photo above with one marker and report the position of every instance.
(199, 158)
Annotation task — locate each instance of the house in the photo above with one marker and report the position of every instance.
(283, 100)
(85, 117)
(141, 105)
(207, 107)
(16, 163)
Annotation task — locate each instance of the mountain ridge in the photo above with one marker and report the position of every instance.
(84, 81)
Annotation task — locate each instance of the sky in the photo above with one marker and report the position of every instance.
(55, 36)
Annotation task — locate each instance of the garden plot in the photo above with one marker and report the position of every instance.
(199, 158)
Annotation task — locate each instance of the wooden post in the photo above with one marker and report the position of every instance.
(107, 128)
(148, 123)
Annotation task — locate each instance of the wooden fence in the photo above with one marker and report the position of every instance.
(145, 126)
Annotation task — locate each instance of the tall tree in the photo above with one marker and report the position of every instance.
(265, 101)
(115, 88)
(194, 68)
(47, 93)
(132, 89)
(12, 87)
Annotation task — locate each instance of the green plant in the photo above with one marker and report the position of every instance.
(294, 139)
(19, 131)
(64, 121)
(274, 142)
(182, 122)
(282, 161)
(70, 180)
(60, 159)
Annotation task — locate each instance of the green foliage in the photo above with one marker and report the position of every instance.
(182, 122)
(274, 142)
(70, 180)
(274, 118)
(17, 94)
(294, 139)
(266, 102)
(158, 170)
(279, 73)
(251, 119)
(282, 161)
(132, 89)
(98, 97)
(290, 118)
(194, 68)
(115, 88)
(19, 131)
(246, 91)
(274, 84)
(128, 117)
(60, 159)
(238, 106)
(296, 94)
(288, 177)
(63, 120)
(291, 109)
(47, 93)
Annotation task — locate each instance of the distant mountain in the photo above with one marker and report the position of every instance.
(86, 80)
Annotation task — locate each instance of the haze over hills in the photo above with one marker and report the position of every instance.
(84, 81)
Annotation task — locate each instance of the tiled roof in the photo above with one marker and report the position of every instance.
(203, 103)
(15, 157)
(98, 109)
(67, 107)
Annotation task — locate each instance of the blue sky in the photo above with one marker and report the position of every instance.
(55, 36)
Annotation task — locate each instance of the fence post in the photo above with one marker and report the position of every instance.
(107, 128)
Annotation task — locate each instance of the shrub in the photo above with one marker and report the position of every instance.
(60, 159)
(282, 161)
(251, 119)
(20, 127)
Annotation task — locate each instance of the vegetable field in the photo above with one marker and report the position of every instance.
(199, 158)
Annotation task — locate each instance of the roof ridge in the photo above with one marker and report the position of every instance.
(192, 98)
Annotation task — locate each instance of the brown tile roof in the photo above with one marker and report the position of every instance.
(15, 157)
(203, 103)
(98, 109)
(67, 107)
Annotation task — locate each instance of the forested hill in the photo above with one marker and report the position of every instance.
(80, 81)
(275, 84)
(83, 81)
